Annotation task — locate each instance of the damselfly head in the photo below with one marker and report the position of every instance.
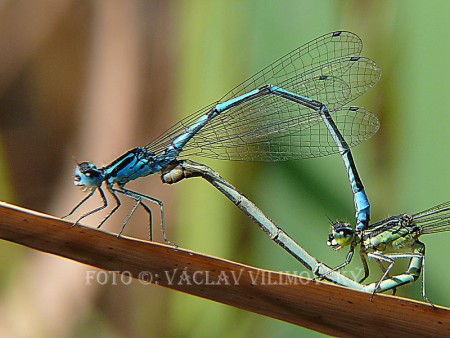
(88, 175)
(341, 235)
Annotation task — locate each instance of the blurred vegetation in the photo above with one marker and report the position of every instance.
(93, 79)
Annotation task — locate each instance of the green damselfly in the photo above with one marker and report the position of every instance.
(180, 170)
(392, 238)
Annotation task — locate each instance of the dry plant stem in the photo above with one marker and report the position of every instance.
(323, 307)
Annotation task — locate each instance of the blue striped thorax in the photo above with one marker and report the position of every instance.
(341, 235)
(137, 162)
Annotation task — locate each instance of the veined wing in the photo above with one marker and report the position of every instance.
(435, 219)
(296, 137)
(333, 83)
(301, 60)
(336, 82)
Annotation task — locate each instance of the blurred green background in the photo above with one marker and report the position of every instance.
(90, 80)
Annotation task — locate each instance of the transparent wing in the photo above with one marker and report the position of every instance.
(294, 137)
(435, 219)
(253, 127)
(298, 62)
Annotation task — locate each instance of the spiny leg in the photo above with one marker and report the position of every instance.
(113, 210)
(348, 259)
(381, 257)
(150, 220)
(383, 269)
(105, 204)
(80, 203)
(134, 195)
(417, 264)
(423, 283)
(147, 209)
(138, 201)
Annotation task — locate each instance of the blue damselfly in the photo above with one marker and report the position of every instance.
(292, 109)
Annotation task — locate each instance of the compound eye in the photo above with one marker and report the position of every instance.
(77, 178)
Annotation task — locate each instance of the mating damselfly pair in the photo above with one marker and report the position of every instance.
(292, 109)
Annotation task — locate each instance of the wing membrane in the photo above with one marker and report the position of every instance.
(271, 128)
(435, 219)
